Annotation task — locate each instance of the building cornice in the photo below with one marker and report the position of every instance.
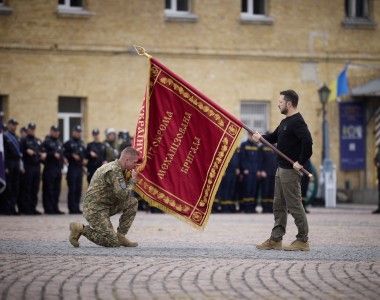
(220, 53)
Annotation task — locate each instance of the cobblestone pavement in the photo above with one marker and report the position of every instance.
(174, 261)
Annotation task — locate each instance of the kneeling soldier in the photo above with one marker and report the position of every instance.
(110, 192)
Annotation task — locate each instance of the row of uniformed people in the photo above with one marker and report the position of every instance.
(23, 156)
(249, 177)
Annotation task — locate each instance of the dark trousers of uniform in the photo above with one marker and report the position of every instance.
(287, 197)
(74, 182)
(51, 189)
(267, 193)
(29, 189)
(378, 186)
(90, 173)
(11, 193)
(248, 200)
(100, 230)
(304, 187)
(227, 193)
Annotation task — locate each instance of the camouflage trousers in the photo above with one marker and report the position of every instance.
(100, 230)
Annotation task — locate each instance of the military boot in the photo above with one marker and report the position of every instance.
(76, 230)
(298, 246)
(270, 245)
(124, 241)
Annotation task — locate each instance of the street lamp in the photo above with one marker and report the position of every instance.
(324, 93)
(328, 178)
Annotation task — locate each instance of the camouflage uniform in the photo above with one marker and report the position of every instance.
(109, 193)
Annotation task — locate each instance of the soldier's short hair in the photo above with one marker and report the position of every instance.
(130, 151)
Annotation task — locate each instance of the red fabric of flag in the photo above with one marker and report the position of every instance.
(186, 142)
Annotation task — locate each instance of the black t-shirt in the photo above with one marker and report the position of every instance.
(293, 138)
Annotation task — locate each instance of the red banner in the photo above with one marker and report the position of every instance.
(186, 141)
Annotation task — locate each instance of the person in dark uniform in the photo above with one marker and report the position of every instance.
(305, 185)
(377, 164)
(31, 153)
(12, 164)
(74, 151)
(23, 132)
(123, 141)
(95, 154)
(22, 135)
(226, 195)
(111, 145)
(267, 175)
(52, 173)
(250, 159)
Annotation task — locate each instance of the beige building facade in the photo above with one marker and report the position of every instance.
(72, 61)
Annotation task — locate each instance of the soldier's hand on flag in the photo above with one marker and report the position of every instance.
(134, 175)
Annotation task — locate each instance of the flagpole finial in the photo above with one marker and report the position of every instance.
(141, 51)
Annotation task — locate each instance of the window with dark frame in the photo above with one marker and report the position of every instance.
(357, 9)
(70, 3)
(177, 5)
(253, 7)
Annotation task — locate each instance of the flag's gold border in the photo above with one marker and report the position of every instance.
(222, 170)
(188, 220)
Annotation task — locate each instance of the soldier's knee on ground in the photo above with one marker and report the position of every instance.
(111, 242)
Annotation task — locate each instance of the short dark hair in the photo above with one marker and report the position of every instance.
(130, 151)
(291, 96)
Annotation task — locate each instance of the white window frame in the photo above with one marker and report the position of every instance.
(173, 13)
(248, 118)
(67, 6)
(251, 17)
(66, 10)
(4, 9)
(65, 116)
(250, 8)
(173, 8)
(66, 134)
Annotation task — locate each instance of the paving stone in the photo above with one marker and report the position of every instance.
(173, 261)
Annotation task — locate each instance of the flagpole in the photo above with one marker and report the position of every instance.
(265, 142)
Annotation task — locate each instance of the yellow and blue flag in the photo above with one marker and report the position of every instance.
(339, 86)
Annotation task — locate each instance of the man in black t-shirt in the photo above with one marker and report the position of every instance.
(293, 138)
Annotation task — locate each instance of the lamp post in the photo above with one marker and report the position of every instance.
(328, 182)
